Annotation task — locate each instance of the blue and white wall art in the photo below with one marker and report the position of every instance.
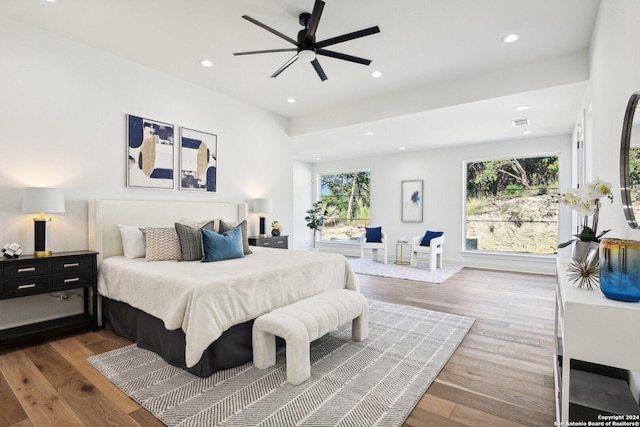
(150, 151)
(198, 160)
(412, 201)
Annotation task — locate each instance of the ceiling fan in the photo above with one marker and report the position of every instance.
(306, 46)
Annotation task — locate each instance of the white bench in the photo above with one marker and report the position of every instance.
(304, 321)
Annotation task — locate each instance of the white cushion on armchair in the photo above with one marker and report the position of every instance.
(434, 251)
(374, 246)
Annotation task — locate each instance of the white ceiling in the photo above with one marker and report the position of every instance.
(448, 78)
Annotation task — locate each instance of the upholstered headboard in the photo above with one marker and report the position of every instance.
(105, 215)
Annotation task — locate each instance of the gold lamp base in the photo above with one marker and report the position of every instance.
(42, 253)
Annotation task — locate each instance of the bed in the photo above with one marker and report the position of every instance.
(198, 316)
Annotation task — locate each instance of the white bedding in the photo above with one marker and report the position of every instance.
(205, 299)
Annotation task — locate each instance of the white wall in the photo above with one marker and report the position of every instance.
(302, 200)
(615, 75)
(62, 121)
(442, 173)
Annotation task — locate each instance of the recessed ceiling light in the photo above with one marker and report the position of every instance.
(318, 158)
(522, 108)
(402, 148)
(368, 133)
(291, 100)
(510, 38)
(51, 1)
(206, 63)
(526, 132)
(376, 74)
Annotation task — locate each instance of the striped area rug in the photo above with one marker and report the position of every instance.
(374, 382)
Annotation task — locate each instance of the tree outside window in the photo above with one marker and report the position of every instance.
(512, 205)
(345, 196)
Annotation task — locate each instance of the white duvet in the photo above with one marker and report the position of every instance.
(205, 299)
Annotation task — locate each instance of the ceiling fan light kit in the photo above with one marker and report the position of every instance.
(307, 48)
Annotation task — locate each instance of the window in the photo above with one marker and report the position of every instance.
(512, 205)
(345, 196)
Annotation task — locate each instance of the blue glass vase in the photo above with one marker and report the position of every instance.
(620, 269)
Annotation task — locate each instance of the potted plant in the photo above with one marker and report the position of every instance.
(276, 228)
(586, 201)
(315, 218)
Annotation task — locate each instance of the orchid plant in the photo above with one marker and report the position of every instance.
(586, 202)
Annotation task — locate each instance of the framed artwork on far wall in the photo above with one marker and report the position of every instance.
(198, 160)
(149, 153)
(412, 201)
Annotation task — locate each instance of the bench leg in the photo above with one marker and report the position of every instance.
(360, 327)
(264, 349)
(298, 362)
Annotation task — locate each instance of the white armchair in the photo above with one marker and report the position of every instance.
(374, 246)
(434, 251)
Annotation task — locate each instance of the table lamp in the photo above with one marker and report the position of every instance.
(262, 206)
(41, 200)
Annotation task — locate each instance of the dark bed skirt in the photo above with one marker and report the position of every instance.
(233, 348)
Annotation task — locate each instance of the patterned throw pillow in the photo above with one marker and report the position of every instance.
(225, 226)
(191, 240)
(162, 244)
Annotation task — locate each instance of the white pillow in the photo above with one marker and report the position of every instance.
(133, 242)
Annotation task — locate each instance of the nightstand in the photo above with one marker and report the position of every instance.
(280, 242)
(29, 275)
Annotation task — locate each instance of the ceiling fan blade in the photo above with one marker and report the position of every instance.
(319, 69)
(315, 19)
(343, 56)
(271, 30)
(347, 37)
(266, 51)
(285, 66)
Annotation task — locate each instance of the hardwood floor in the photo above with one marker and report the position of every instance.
(501, 375)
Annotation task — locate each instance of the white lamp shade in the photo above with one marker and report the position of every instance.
(262, 205)
(42, 200)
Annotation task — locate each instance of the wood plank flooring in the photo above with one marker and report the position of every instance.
(501, 375)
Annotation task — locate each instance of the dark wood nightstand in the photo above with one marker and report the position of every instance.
(29, 275)
(280, 242)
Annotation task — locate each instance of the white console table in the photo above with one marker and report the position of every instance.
(593, 329)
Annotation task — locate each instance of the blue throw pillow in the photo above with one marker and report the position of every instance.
(426, 240)
(374, 234)
(217, 247)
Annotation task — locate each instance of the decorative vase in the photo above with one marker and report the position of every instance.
(275, 232)
(580, 249)
(620, 269)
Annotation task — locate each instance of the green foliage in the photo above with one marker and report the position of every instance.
(494, 176)
(346, 195)
(315, 216)
(514, 190)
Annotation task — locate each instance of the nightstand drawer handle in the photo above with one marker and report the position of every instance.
(73, 264)
(26, 270)
(33, 285)
(266, 244)
(75, 279)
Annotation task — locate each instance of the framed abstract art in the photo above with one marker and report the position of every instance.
(412, 201)
(150, 153)
(198, 160)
